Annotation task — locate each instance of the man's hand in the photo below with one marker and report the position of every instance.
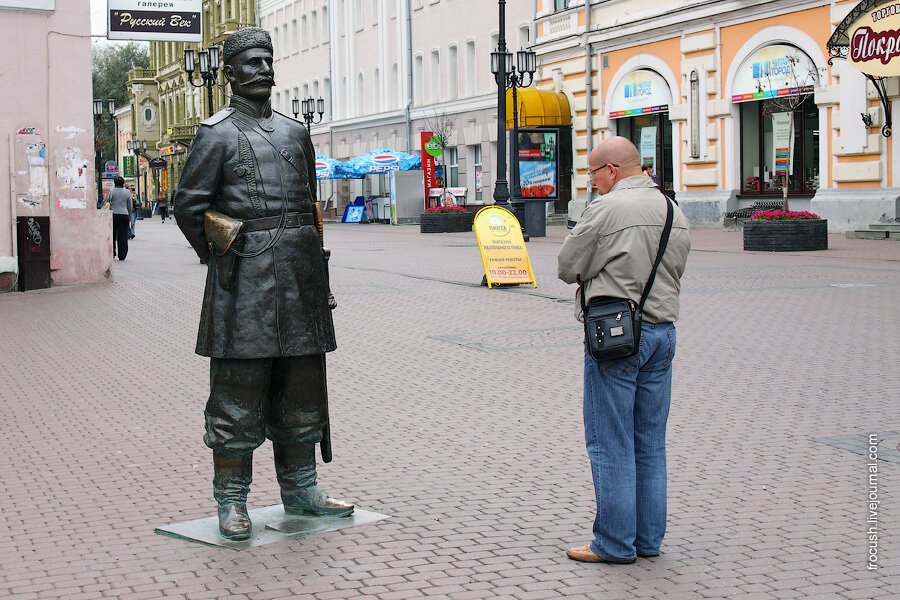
(332, 303)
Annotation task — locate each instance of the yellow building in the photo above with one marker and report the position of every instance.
(706, 90)
(165, 103)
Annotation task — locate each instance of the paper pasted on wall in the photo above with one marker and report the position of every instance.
(73, 171)
(72, 203)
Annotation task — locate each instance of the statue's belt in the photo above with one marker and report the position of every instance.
(292, 219)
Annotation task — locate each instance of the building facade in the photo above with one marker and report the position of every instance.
(391, 69)
(49, 179)
(706, 88)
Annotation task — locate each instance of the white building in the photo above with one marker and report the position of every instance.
(387, 68)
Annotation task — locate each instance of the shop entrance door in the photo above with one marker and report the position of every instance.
(657, 126)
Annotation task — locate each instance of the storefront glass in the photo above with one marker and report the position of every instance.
(652, 134)
(758, 146)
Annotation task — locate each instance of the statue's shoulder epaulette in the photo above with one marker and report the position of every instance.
(218, 117)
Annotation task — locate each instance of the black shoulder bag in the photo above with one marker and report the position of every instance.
(612, 326)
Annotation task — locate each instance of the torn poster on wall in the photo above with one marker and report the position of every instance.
(72, 130)
(31, 178)
(73, 170)
(72, 203)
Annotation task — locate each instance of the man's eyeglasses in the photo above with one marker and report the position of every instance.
(600, 168)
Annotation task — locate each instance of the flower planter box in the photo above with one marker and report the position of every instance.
(786, 236)
(446, 222)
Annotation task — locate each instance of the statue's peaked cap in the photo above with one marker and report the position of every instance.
(244, 39)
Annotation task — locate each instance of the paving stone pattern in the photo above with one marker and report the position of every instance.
(457, 411)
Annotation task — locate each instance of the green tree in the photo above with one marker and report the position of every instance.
(111, 63)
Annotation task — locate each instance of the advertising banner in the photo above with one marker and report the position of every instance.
(783, 142)
(128, 166)
(168, 21)
(640, 92)
(875, 41)
(648, 145)
(538, 167)
(774, 71)
(427, 165)
(502, 247)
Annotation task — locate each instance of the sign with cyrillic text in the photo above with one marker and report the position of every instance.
(502, 247)
(155, 20)
(875, 41)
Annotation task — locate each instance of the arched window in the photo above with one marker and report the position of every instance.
(294, 34)
(304, 34)
(419, 79)
(326, 34)
(524, 37)
(377, 103)
(453, 72)
(314, 29)
(435, 75)
(471, 75)
(360, 95)
(395, 87)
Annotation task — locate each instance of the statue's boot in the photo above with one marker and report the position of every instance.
(231, 484)
(295, 466)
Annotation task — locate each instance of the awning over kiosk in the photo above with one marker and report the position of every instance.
(640, 92)
(772, 72)
(538, 107)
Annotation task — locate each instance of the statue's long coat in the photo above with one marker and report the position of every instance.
(277, 304)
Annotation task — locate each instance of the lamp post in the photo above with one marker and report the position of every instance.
(139, 147)
(98, 120)
(512, 76)
(309, 109)
(209, 71)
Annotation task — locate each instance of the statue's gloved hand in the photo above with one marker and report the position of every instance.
(332, 303)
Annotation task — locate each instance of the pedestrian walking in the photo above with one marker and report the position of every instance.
(611, 252)
(162, 205)
(134, 211)
(120, 203)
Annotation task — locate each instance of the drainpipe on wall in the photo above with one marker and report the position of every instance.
(589, 131)
(588, 71)
(409, 73)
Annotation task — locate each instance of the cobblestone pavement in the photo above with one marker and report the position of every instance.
(457, 411)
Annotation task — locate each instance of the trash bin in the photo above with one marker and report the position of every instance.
(33, 235)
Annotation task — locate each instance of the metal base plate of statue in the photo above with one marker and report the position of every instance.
(270, 525)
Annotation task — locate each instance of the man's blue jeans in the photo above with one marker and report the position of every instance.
(626, 405)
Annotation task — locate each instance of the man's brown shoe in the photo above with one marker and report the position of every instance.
(585, 554)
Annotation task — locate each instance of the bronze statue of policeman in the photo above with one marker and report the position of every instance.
(246, 202)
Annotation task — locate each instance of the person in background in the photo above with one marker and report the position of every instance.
(134, 209)
(162, 205)
(120, 203)
(647, 169)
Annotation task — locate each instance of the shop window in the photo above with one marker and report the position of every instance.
(452, 167)
(758, 147)
(478, 170)
(652, 134)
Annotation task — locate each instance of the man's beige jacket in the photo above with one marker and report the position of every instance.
(614, 244)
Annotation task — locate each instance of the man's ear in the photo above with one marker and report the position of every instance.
(228, 72)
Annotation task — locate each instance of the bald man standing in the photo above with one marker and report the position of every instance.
(626, 402)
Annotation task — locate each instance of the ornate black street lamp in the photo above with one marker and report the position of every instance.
(209, 71)
(98, 120)
(309, 109)
(509, 76)
(139, 147)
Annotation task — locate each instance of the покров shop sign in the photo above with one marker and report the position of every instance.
(155, 20)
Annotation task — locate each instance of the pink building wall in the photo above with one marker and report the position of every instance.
(45, 102)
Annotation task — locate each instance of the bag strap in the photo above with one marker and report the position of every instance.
(663, 242)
